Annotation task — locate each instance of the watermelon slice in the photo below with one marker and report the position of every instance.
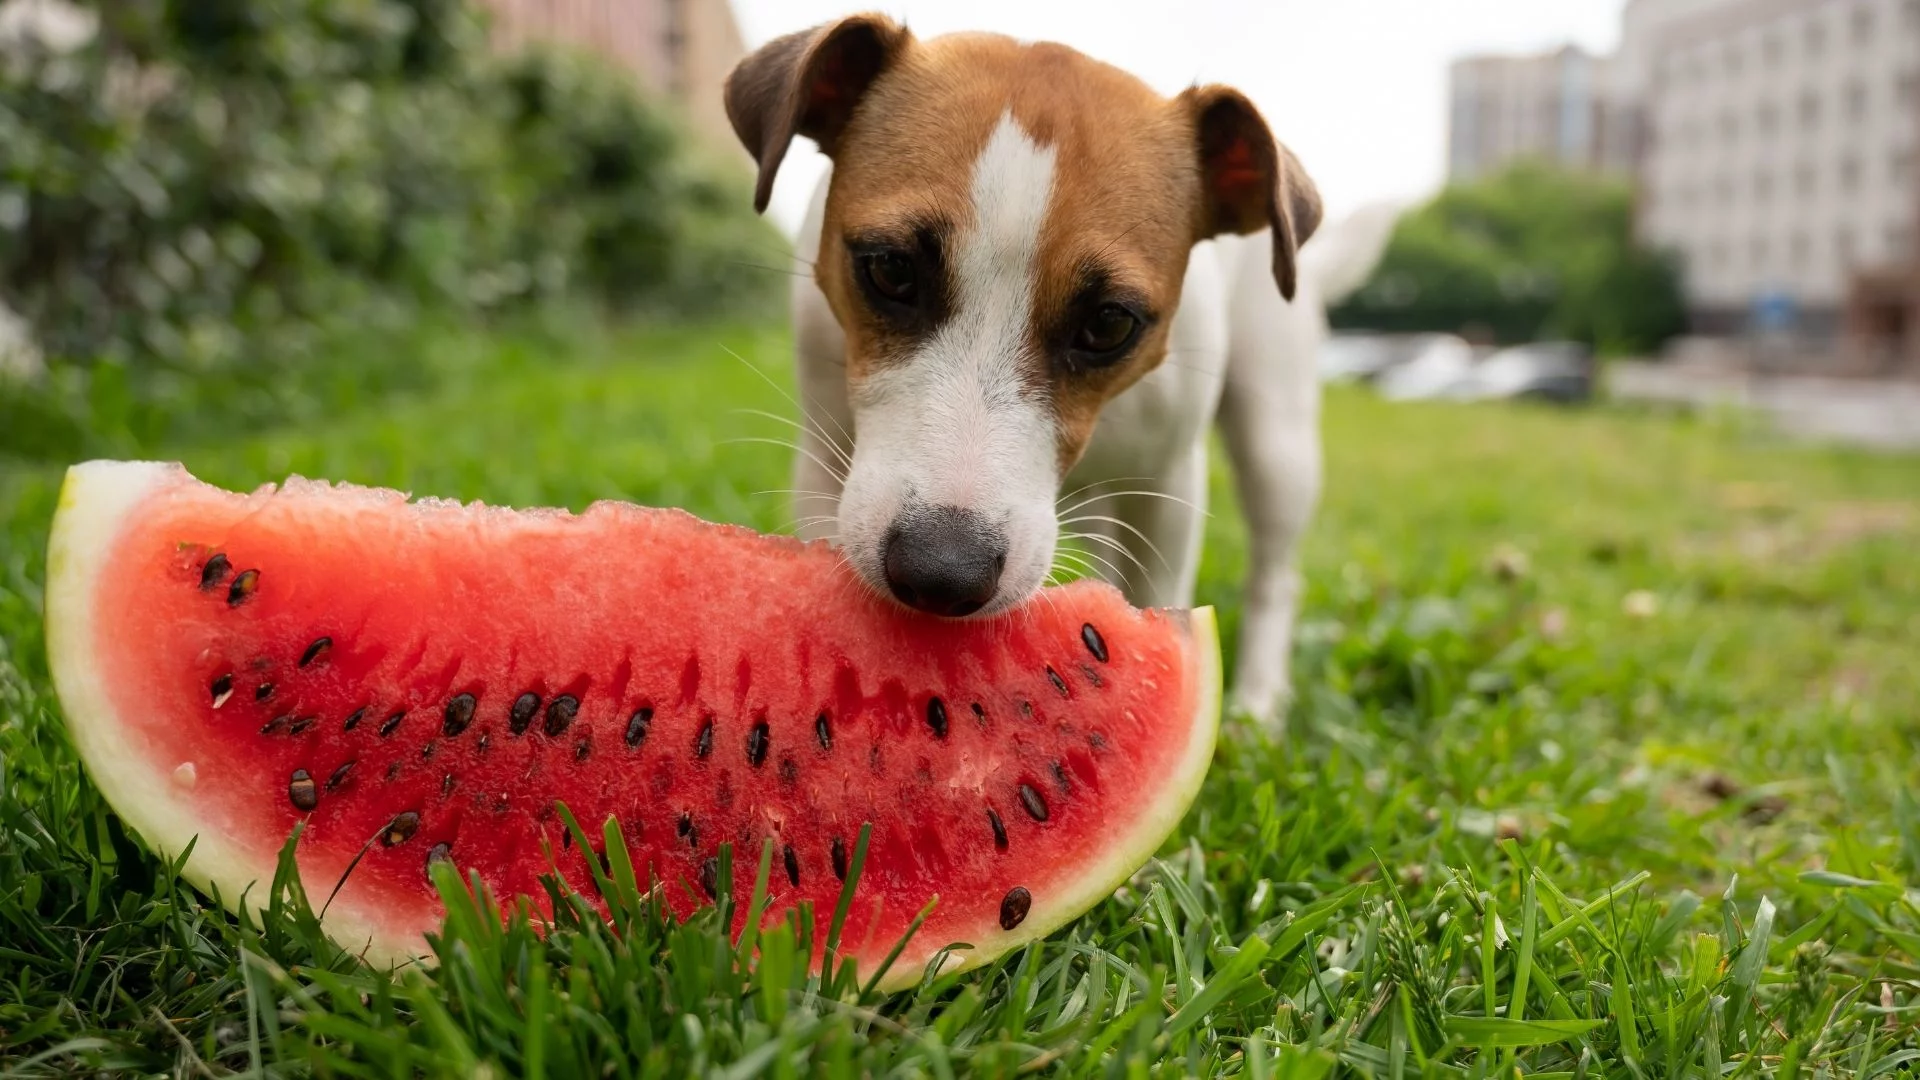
(419, 681)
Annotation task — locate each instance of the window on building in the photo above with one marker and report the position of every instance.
(1771, 47)
(1806, 179)
(1729, 126)
(1902, 170)
(1733, 58)
(1757, 252)
(1849, 174)
(1717, 255)
(1843, 247)
(1762, 186)
(1816, 36)
(1798, 248)
(1909, 89)
(1810, 109)
(1899, 242)
(1862, 24)
(1856, 96)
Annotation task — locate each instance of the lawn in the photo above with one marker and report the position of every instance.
(1602, 764)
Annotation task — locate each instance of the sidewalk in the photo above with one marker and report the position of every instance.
(1884, 415)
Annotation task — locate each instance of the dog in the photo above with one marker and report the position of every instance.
(1037, 285)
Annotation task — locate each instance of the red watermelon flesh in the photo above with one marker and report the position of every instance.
(425, 680)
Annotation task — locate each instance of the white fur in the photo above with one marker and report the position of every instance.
(1238, 355)
(955, 423)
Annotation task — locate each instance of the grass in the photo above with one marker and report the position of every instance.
(1602, 764)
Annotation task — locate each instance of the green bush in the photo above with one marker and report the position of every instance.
(210, 186)
(1531, 253)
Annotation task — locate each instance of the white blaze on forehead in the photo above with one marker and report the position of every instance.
(959, 421)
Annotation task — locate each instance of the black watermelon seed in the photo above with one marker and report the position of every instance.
(873, 757)
(301, 789)
(703, 742)
(838, 851)
(757, 740)
(560, 714)
(314, 650)
(427, 751)
(276, 726)
(566, 839)
(520, 714)
(1035, 802)
(486, 739)
(979, 714)
(263, 691)
(1026, 709)
(1096, 740)
(446, 785)
(1092, 675)
(793, 865)
(1060, 778)
(459, 715)
(937, 717)
(637, 726)
(215, 572)
(1059, 683)
(999, 830)
(1014, 907)
(354, 720)
(340, 774)
(823, 731)
(393, 769)
(391, 722)
(441, 852)
(401, 829)
(789, 769)
(301, 724)
(1095, 644)
(221, 689)
(582, 750)
(243, 586)
(684, 827)
(709, 870)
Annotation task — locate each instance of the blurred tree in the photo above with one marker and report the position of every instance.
(194, 188)
(1531, 253)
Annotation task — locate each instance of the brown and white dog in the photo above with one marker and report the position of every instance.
(1016, 293)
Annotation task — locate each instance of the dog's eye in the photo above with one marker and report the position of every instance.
(1109, 330)
(892, 275)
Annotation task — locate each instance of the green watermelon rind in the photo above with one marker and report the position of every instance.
(97, 501)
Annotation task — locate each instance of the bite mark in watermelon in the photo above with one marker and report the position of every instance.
(425, 680)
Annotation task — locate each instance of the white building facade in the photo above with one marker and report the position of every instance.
(1780, 153)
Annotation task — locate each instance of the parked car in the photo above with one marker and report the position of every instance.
(1436, 362)
(1557, 371)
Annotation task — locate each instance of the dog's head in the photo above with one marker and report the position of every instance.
(1006, 233)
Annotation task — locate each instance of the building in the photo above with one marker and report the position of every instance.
(1559, 107)
(1780, 160)
(681, 50)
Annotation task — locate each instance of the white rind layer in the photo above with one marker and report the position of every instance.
(100, 498)
(97, 501)
(1156, 823)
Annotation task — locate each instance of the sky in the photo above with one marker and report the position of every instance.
(1357, 88)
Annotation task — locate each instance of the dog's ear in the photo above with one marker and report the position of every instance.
(807, 83)
(1248, 180)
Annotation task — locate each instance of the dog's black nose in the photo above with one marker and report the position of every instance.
(944, 560)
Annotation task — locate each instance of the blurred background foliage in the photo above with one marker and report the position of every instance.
(205, 203)
(1527, 254)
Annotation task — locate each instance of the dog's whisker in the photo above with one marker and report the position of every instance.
(783, 444)
(1163, 495)
(1116, 545)
(1151, 546)
(1091, 499)
(839, 453)
(809, 414)
(769, 269)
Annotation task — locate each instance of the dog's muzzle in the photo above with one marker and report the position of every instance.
(944, 560)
